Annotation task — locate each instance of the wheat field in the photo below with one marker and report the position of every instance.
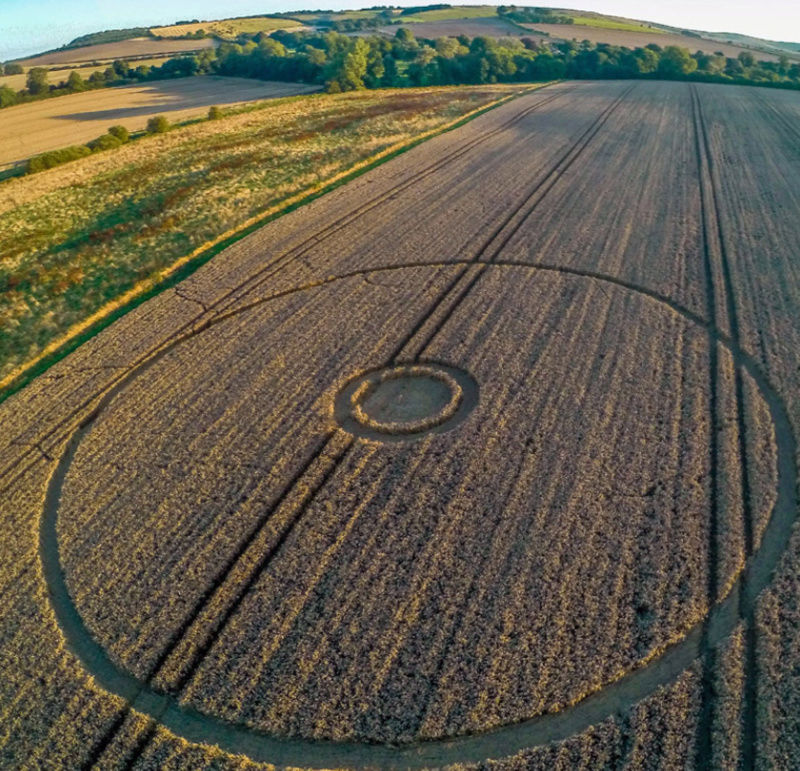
(595, 568)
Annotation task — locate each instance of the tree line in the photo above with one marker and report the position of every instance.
(344, 63)
(120, 72)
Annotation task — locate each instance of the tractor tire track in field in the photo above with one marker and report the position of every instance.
(711, 219)
(703, 740)
(780, 117)
(257, 278)
(505, 230)
(615, 698)
(539, 190)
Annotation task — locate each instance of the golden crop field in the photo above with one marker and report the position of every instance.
(38, 127)
(483, 460)
(227, 28)
(126, 49)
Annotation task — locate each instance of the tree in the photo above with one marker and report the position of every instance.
(391, 77)
(376, 69)
(734, 68)
(120, 132)
(676, 62)
(347, 72)
(272, 47)
(37, 81)
(646, 60)
(157, 125)
(214, 113)
(405, 36)
(75, 82)
(447, 47)
(747, 59)
(14, 69)
(7, 96)
(423, 71)
(105, 142)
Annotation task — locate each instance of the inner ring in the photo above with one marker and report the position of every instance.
(405, 401)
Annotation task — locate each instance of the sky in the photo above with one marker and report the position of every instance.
(31, 26)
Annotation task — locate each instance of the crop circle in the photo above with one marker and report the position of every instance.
(405, 401)
(499, 740)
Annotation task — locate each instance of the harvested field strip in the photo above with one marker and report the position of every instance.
(122, 50)
(548, 728)
(229, 297)
(229, 28)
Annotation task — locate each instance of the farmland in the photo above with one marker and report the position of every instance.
(227, 29)
(127, 49)
(596, 567)
(609, 22)
(59, 76)
(459, 12)
(472, 27)
(632, 38)
(30, 129)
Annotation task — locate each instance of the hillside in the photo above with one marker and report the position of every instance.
(424, 21)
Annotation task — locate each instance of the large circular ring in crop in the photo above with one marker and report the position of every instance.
(661, 668)
(405, 402)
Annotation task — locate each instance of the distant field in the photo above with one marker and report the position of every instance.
(30, 129)
(640, 38)
(604, 22)
(451, 28)
(127, 48)
(56, 77)
(459, 12)
(331, 16)
(229, 28)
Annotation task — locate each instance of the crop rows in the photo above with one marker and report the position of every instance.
(225, 542)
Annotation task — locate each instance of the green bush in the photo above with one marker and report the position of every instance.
(105, 142)
(157, 125)
(14, 69)
(56, 158)
(7, 96)
(120, 132)
(214, 113)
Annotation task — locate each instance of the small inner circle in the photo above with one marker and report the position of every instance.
(405, 401)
